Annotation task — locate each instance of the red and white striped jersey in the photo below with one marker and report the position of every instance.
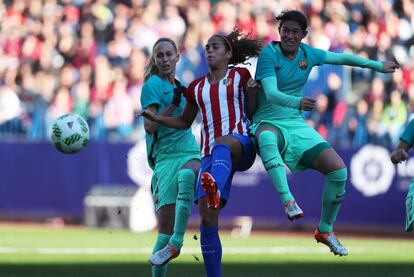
(222, 106)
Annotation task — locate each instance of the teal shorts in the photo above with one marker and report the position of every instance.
(164, 182)
(302, 143)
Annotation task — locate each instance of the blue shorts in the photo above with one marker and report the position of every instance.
(249, 156)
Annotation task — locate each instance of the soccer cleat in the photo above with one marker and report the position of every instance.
(292, 210)
(163, 256)
(330, 240)
(210, 188)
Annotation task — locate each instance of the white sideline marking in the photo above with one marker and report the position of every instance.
(185, 250)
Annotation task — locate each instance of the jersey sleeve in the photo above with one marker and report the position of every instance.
(244, 76)
(190, 94)
(149, 96)
(266, 64)
(408, 134)
(318, 55)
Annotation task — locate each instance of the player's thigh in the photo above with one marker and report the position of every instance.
(328, 160)
(236, 148)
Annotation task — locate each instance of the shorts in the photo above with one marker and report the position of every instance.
(299, 138)
(249, 156)
(164, 182)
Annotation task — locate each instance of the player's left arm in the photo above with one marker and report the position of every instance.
(354, 60)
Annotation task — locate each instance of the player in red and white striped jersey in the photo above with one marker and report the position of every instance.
(222, 97)
(221, 105)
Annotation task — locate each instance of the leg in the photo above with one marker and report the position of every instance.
(267, 140)
(165, 216)
(226, 152)
(329, 163)
(186, 177)
(210, 239)
(186, 184)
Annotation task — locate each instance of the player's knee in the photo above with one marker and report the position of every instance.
(186, 175)
(340, 175)
(267, 138)
(269, 151)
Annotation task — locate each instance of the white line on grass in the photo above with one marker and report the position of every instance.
(185, 250)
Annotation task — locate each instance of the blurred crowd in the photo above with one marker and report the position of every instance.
(88, 57)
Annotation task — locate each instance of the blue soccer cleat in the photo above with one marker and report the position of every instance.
(292, 210)
(330, 240)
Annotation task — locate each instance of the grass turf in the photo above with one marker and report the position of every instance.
(44, 251)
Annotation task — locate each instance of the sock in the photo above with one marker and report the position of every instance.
(221, 167)
(211, 249)
(162, 240)
(332, 197)
(186, 180)
(273, 164)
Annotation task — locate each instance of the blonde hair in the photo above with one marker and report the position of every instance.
(151, 68)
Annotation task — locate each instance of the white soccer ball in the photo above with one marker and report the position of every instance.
(69, 133)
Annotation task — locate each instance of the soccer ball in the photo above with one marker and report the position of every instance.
(69, 133)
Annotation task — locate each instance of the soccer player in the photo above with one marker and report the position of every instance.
(400, 154)
(282, 135)
(173, 154)
(221, 97)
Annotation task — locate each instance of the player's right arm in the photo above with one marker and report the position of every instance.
(182, 121)
(151, 126)
(265, 73)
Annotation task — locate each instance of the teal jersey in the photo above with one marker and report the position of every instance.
(408, 134)
(165, 142)
(291, 78)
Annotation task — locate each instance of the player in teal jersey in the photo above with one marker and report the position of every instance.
(283, 136)
(401, 154)
(173, 155)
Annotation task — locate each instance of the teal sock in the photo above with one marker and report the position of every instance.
(273, 164)
(333, 195)
(162, 240)
(186, 180)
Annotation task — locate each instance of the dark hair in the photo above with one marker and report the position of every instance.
(150, 68)
(241, 45)
(293, 15)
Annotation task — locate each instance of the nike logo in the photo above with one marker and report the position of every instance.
(166, 92)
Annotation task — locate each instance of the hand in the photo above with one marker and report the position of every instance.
(177, 94)
(252, 86)
(147, 114)
(398, 155)
(389, 67)
(307, 103)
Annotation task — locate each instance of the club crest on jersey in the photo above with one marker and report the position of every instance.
(227, 82)
(303, 64)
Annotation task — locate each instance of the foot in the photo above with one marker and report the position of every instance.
(163, 256)
(292, 210)
(330, 240)
(210, 188)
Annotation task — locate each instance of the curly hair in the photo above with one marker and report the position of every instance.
(242, 46)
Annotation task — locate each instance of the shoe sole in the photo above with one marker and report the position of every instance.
(210, 188)
(296, 216)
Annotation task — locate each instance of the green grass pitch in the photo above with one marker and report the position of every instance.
(45, 251)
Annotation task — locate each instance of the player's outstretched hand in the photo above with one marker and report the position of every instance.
(147, 114)
(307, 103)
(389, 67)
(398, 155)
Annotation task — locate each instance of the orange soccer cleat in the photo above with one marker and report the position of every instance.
(210, 188)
